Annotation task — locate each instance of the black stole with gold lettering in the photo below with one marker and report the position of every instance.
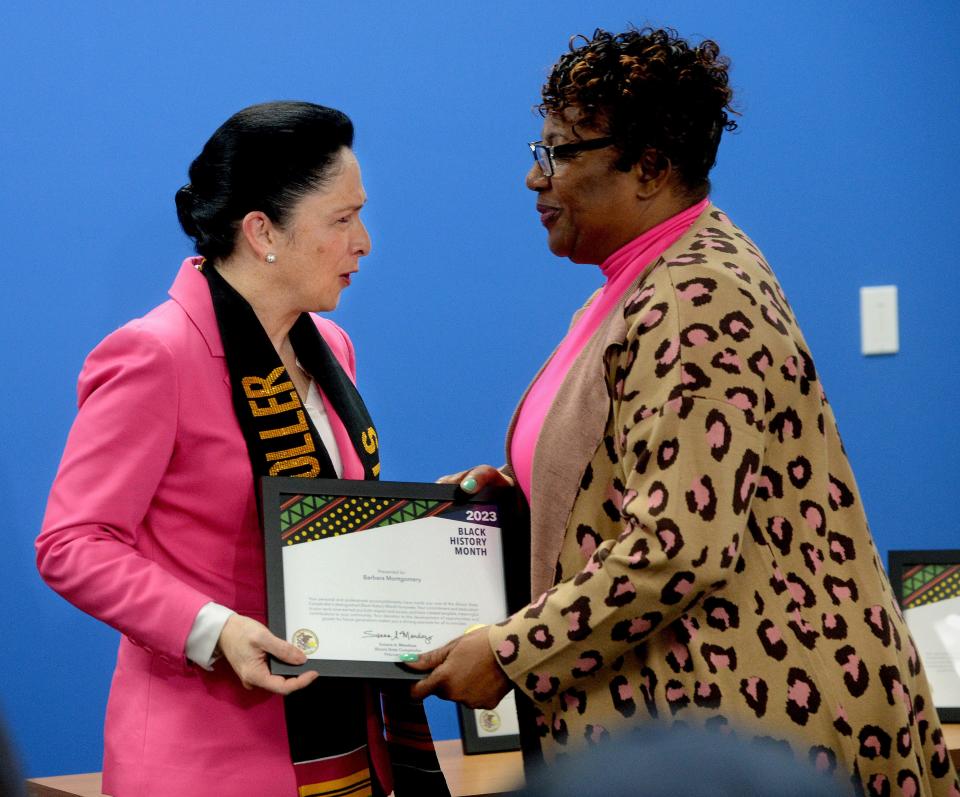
(280, 437)
(327, 721)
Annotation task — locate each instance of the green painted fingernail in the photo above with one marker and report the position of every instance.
(469, 485)
(409, 656)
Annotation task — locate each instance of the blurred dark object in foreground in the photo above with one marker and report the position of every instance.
(669, 763)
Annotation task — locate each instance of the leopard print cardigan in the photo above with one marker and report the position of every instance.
(700, 554)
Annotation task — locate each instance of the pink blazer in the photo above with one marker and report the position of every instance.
(152, 515)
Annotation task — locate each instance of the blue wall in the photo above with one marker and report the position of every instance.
(843, 172)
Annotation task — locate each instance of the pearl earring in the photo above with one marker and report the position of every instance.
(271, 257)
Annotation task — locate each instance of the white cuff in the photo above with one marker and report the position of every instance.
(205, 634)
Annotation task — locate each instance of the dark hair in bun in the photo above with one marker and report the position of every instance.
(265, 157)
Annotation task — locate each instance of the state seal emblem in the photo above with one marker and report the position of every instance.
(306, 640)
(488, 720)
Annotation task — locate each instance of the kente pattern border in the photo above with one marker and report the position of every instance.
(305, 518)
(930, 583)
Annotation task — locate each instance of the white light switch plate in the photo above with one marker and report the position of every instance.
(879, 324)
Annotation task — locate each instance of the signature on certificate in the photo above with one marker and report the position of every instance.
(407, 636)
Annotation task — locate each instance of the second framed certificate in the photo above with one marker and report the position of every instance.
(927, 585)
(364, 575)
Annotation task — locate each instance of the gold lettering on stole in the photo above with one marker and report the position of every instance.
(299, 426)
(255, 387)
(370, 442)
(287, 453)
(306, 448)
(273, 407)
(287, 464)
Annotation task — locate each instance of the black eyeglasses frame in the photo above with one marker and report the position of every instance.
(544, 154)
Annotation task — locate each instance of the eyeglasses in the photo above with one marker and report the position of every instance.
(545, 155)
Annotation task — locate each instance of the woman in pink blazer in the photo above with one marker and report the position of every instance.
(152, 523)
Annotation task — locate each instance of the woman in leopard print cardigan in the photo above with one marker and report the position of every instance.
(700, 554)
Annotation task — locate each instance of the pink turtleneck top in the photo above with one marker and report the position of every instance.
(621, 270)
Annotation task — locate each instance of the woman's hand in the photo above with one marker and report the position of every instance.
(475, 479)
(463, 670)
(245, 644)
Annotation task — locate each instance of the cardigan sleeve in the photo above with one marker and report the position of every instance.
(689, 467)
(116, 454)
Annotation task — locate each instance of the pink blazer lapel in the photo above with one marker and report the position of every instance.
(190, 291)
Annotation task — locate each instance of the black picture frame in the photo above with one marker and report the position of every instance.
(475, 742)
(277, 491)
(915, 572)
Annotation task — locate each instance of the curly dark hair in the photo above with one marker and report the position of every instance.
(651, 90)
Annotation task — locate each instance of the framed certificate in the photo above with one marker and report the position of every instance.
(493, 730)
(927, 585)
(363, 575)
